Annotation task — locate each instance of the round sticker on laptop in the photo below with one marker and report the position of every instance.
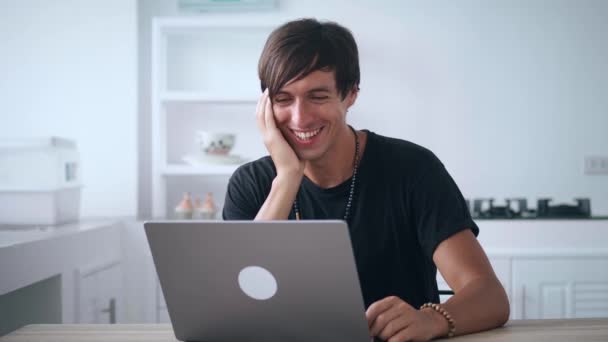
(257, 282)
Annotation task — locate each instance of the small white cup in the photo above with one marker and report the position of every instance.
(215, 143)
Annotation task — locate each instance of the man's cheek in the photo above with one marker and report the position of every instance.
(280, 116)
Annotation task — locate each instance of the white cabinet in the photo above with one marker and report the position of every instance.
(552, 285)
(99, 293)
(87, 258)
(204, 77)
(560, 287)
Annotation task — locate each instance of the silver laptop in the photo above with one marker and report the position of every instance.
(259, 281)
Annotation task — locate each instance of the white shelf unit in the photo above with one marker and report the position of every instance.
(202, 66)
(186, 97)
(187, 170)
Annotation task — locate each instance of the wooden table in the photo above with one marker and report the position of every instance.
(569, 330)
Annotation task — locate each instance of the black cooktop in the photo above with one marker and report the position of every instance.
(517, 208)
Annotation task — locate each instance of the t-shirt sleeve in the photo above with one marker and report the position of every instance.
(241, 201)
(438, 207)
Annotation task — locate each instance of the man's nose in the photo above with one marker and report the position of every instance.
(300, 116)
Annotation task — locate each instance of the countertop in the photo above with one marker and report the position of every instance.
(592, 218)
(568, 330)
(11, 235)
(31, 254)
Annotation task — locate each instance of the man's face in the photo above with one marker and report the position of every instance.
(311, 114)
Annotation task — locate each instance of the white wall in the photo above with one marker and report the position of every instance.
(68, 68)
(510, 94)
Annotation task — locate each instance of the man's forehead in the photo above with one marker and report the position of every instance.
(318, 80)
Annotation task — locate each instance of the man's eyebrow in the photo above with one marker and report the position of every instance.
(313, 90)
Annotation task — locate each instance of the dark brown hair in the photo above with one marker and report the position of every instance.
(299, 47)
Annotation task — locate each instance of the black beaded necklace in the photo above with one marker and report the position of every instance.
(352, 184)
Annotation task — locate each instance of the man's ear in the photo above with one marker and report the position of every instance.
(352, 96)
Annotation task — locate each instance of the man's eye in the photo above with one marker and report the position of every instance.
(320, 98)
(281, 99)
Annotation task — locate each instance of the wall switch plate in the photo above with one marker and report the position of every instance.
(596, 165)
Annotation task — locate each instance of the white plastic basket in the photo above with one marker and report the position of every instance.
(40, 207)
(39, 181)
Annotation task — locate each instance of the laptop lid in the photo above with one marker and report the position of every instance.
(259, 281)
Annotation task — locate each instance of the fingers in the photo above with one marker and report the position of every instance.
(259, 111)
(264, 113)
(379, 307)
(269, 114)
(396, 325)
(260, 100)
(384, 322)
(402, 336)
(391, 319)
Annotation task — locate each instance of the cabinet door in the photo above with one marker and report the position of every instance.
(110, 294)
(86, 298)
(575, 287)
(99, 294)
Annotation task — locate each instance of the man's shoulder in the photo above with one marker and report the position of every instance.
(401, 151)
(258, 170)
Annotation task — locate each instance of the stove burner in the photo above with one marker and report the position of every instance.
(581, 209)
(518, 208)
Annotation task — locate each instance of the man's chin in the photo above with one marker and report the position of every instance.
(309, 156)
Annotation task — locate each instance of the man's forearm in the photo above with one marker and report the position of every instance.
(480, 305)
(280, 199)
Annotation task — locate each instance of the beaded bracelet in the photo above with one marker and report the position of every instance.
(445, 314)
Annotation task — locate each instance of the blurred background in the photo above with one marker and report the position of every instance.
(509, 94)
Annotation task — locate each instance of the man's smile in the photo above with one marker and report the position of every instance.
(306, 136)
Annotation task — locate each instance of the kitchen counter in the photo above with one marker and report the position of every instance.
(581, 236)
(580, 330)
(50, 263)
(592, 218)
(13, 235)
(42, 252)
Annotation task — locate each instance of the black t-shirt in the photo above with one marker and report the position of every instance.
(405, 203)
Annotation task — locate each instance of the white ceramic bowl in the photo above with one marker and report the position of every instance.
(215, 143)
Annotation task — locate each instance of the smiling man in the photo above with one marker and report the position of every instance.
(406, 216)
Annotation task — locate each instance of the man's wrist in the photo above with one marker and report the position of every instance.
(441, 326)
(287, 183)
(289, 178)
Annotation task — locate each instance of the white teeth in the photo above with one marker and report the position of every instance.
(307, 135)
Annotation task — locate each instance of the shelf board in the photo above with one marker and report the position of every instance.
(186, 96)
(186, 25)
(203, 170)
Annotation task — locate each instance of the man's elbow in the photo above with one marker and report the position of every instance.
(503, 307)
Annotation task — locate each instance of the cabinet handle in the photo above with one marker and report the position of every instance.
(111, 310)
